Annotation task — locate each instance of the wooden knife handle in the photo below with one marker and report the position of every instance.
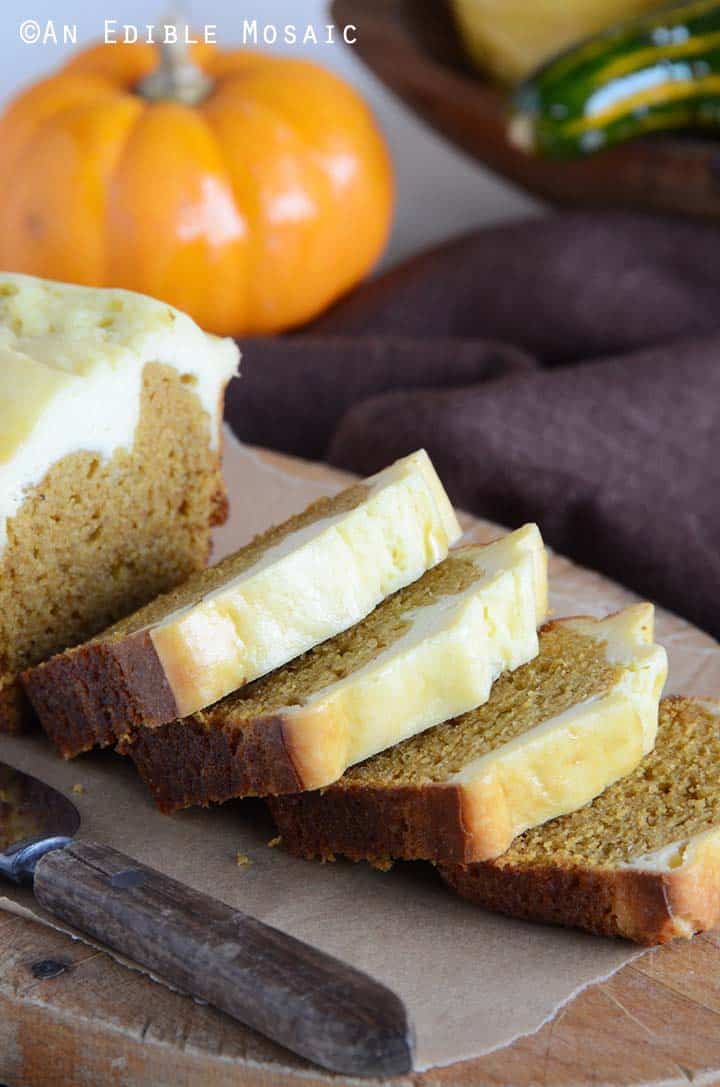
(300, 997)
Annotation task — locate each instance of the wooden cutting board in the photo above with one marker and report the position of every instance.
(70, 1016)
(413, 47)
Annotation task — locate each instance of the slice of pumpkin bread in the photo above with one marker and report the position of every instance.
(430, 651)
(110, 416)
(294, 586)
(642, 861)
(553, 735)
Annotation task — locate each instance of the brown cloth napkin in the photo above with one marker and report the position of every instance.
(564, 370)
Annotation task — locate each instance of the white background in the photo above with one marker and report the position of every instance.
(440, 190)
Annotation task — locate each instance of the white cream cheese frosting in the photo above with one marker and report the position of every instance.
(682, 852)
(567, 760)
(444, 664)
(317, 581)
(71, 369)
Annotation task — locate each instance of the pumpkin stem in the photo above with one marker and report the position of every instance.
(177, 78)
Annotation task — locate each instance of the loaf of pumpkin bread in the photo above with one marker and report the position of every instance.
(294, 586)
(110, 416)
(430, 651)
(642, 861)
(552, 736)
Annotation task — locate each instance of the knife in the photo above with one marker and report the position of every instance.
(300, 997)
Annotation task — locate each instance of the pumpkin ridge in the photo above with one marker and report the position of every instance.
(110, 184)
(228, 178)
(61, 211)
(261, 321)
(25, 100)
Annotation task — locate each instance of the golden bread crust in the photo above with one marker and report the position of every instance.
(186, 763)
(374, 824)
(644, 906)
(476, 817)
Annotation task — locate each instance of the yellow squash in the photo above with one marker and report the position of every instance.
(509, 38)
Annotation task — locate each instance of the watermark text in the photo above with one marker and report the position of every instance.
(251, 32)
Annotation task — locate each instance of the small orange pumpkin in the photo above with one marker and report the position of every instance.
(246, 189)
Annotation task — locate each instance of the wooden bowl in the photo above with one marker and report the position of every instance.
(413, 47)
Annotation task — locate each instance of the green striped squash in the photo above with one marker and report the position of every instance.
(660, 71)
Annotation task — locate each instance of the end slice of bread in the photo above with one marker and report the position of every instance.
(110, 449)
(430, 651)
(642, 861)
(291, 588)
(553, 735)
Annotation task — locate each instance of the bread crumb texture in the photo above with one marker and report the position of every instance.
(95, 539)
(216, 577)
(672, 795)
(337, 658)
(570, 668)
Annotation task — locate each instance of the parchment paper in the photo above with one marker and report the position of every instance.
(472, 981)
